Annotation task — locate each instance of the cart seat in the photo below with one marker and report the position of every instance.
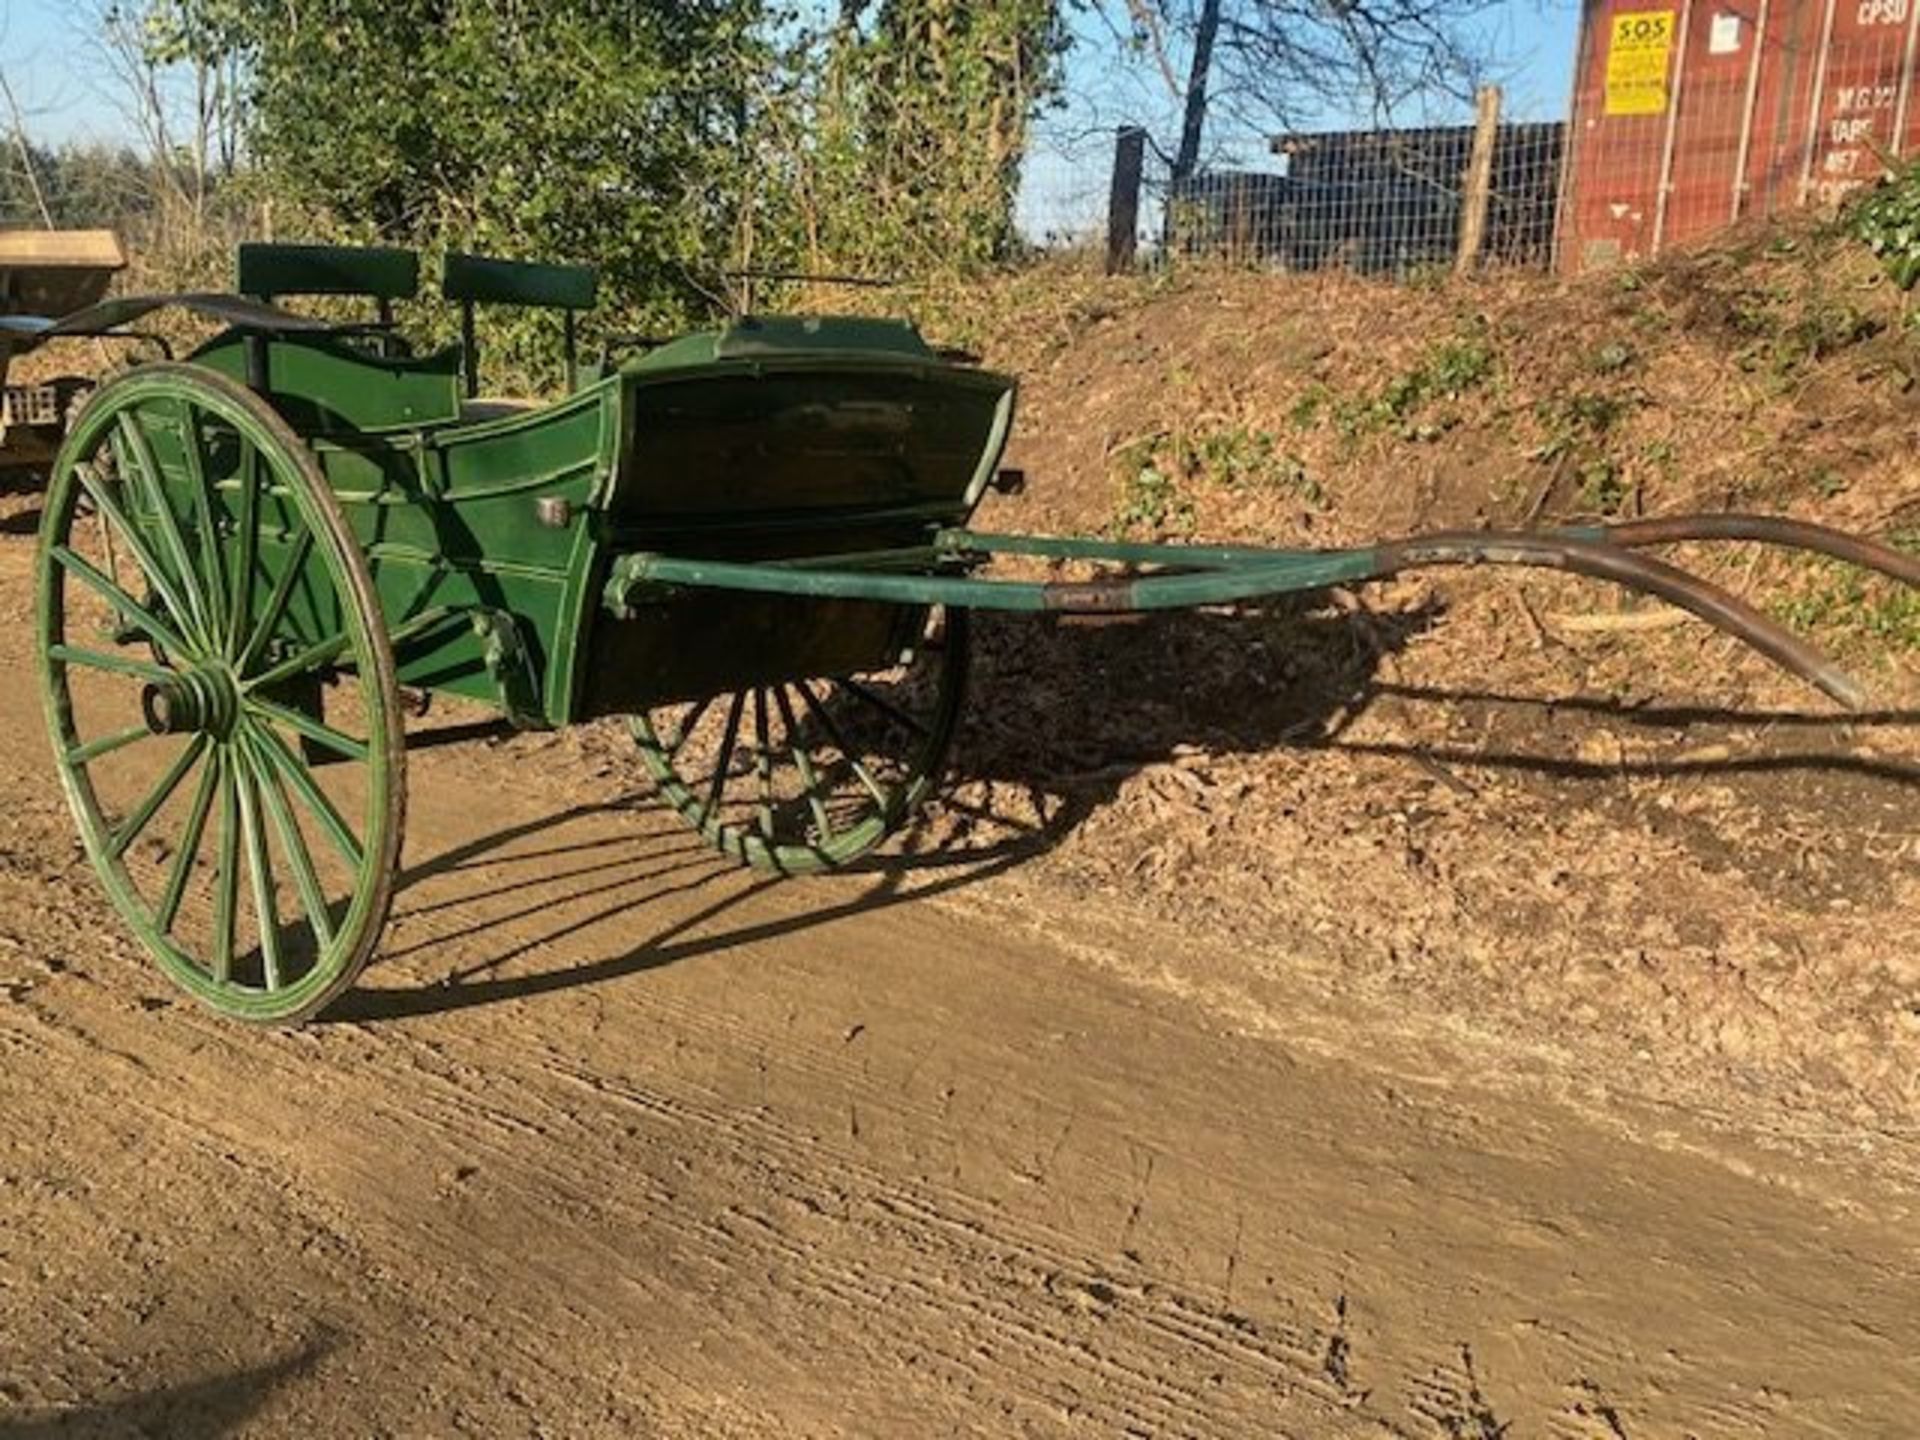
(326, 386)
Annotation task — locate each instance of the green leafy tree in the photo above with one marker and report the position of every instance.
(890, 141)
(597, 130)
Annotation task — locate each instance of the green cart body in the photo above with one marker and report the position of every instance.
(729, 535)
(768, 440)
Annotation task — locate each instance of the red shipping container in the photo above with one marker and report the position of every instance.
(1693, 114)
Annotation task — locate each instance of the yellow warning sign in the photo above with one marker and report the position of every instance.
(1637, 62)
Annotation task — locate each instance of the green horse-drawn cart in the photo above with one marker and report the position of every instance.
(751, 542)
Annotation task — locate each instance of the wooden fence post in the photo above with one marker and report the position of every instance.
(1123, 199)
(1478, 189)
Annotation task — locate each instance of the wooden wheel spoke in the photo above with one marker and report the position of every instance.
(247, 533)
(199, 610)
(881, 795)
(168, 910)
(266, 912)
(129, 609)
(319, 732)
(142, 814)
(226, 873)
(883, 705)
(150, 567)
(115, 664)
(213, 564)
(809, 778)
(146, 463)
(276, 601)
(106, 546)
(317, 656)
(763, 760)
(301, 779)
(725, 759)
(107, 744)
(306, 879)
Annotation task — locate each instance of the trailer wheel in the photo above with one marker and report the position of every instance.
(808, 775)
(195, 580)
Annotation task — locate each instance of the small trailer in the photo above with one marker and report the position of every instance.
(751, 543)
(45, 273)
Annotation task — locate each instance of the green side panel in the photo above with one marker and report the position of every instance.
(324, 387)
(378, 272)
(514, 282)
(451, 518)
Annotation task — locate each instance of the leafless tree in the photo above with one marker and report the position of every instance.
(1285, 63)
(183, 98)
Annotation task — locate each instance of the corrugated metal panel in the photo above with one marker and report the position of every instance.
(1857, 94)
(1689, 115)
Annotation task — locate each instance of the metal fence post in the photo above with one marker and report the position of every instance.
(1478, 191)
(1123, 199)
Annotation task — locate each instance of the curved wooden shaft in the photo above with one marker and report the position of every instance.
(1614, 563)
(1766, 530)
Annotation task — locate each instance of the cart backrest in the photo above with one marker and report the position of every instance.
(487, 281)
(470, 280)
(380, 273)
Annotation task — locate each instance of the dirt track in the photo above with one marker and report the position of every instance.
(617, 1140)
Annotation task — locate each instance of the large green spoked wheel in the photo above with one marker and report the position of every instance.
(199, 592)
(808, 775)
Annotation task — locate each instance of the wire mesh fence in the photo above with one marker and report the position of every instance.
(1377, 201)
(1681, 122)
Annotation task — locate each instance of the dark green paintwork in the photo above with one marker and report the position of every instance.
(774, 500)
(325, 386)
(696, 499)
(377, 272)
(481, 280)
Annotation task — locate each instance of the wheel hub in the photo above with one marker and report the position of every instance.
(205, 700)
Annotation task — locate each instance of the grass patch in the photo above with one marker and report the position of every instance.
(1837, 599)
(1446, 372)
(1576, 430)
(1161, 473)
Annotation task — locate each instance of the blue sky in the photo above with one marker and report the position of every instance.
(44, 55)
(1068, 166)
